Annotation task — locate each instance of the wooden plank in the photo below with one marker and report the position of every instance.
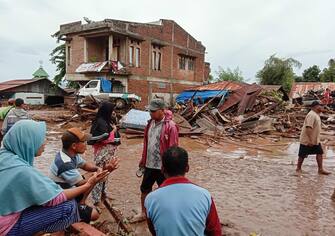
(89, 110)
(260, 113)
(190, 133)
(204, 123)
(84, 229)
(181, 121)
(118, 217)
(133, 131)
(134, 136)
(205, 105)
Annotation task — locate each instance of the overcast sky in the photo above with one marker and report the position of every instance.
(239, 33)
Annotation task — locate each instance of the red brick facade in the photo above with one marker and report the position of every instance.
(165, 58)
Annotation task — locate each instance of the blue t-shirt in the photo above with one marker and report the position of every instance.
(64, 169)
(179, 209)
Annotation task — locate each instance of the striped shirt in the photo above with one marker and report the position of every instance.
(7, 222)
(64, 169)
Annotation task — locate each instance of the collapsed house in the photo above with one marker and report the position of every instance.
(307, 92)
(238, 109)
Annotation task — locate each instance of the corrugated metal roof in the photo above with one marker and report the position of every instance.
(15, 83)
(224, 85)
(245, 97)
(91, 67)
(301, 88)
(271, 87)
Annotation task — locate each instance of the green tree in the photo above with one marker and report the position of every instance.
(311, 74)
(298, 78)
(229, 75)
(211, 78)
(328, 74)
(58, 58)
(278, 71)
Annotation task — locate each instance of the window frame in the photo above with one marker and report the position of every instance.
(156, 58)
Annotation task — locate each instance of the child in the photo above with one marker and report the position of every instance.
(64, 169)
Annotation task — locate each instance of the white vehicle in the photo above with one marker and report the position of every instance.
(121, 100)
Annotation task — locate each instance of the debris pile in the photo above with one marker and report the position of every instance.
(248, 110)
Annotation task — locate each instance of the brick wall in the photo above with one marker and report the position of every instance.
(174, 41)
(77, 53)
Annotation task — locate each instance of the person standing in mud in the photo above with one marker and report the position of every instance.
(104, 150)
(3, 113)
(160, 134)
(14, 115)
(310, 138)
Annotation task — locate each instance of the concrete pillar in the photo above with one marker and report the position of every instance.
(149, 91)
(110, 47)
(85, 50)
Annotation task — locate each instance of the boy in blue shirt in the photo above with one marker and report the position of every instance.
(64, 170)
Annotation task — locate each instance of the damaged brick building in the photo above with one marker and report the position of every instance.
(148, 59)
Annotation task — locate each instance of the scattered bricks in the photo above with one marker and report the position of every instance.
(84, 229)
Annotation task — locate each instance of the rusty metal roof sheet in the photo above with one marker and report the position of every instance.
(224, 85)
(245, 97)
(15, 83)
(301, 88)
(91, 67)
(271, 87)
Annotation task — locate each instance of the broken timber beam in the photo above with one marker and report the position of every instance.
(205, 105)
(118, 217)
(260, 113)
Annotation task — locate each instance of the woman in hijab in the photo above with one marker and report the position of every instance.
(29, 201)
(104, 150)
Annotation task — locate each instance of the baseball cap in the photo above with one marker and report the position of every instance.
(315, 103)
(80, 134)
(156, 104)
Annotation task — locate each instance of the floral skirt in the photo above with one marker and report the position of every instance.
(102, 156)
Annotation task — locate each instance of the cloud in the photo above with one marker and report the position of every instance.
(236, 33)
(26, 50)
(310, 53)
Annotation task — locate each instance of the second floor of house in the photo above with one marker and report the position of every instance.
(158, 49)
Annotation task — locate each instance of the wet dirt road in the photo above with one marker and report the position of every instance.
(254, 191)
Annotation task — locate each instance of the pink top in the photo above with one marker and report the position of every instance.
(7, 222)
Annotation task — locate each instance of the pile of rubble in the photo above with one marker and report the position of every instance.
(246, 111)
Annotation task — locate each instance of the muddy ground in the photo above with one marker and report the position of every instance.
(255, 191)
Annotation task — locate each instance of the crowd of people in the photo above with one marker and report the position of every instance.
(32, 202)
